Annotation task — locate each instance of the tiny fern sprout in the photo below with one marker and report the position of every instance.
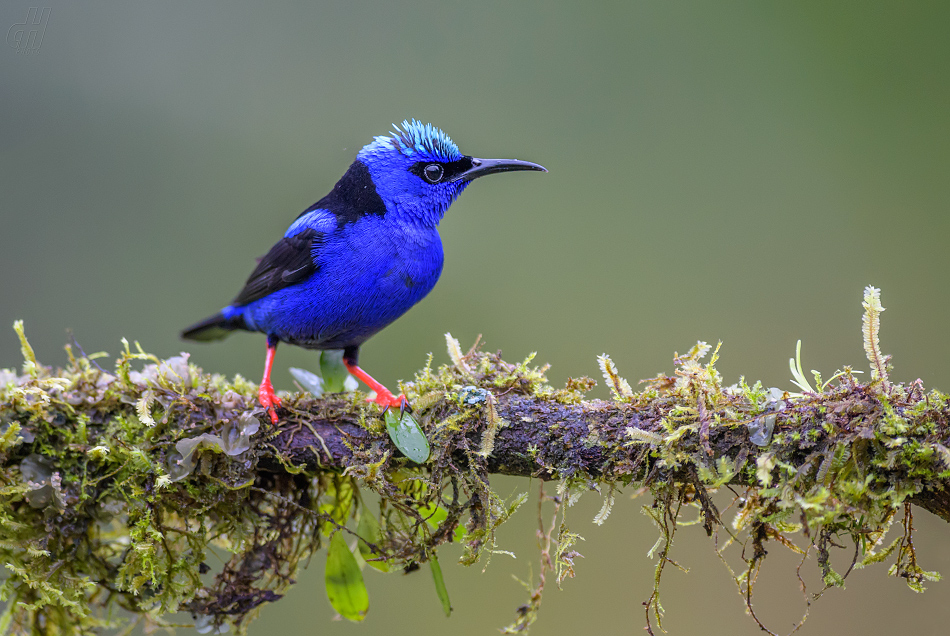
(871, 328)
(798, 376)
(799, 379)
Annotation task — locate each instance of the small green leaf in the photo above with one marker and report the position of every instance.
(440, 584)
(369, 532)
(338, 503)
(406, 434)
(334, 372)
(344, 581)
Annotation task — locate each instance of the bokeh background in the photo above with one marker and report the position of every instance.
(732, 171)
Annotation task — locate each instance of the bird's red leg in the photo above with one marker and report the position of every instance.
(384, 396)
(266, 392)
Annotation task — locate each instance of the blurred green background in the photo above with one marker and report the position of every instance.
(718, 171)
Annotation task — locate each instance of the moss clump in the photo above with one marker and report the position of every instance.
(129, 521)
(804, 470)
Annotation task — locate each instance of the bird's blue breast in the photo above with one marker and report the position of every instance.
(369, 272)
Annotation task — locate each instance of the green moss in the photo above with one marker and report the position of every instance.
(117, 486)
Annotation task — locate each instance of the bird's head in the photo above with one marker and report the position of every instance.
(418, 170)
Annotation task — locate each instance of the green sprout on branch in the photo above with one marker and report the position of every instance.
(799, 379)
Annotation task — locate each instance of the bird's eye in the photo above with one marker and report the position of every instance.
(433, 172)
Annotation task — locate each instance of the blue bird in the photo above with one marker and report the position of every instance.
(358, 258)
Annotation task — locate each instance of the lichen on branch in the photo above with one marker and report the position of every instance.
(118, 486)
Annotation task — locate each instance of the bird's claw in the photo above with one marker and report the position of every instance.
(386, 400)
(269, 400)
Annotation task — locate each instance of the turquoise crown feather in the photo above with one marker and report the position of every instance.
(414, 137)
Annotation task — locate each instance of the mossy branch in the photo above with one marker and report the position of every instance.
(590, 440)
(115, 486)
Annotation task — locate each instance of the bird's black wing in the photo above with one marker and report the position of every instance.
(290, 261)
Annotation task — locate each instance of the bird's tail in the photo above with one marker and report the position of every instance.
(215, 327)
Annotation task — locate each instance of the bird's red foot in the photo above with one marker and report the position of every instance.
(268, 400)
(386, 399)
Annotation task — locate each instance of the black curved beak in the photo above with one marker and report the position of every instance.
(482, 167)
